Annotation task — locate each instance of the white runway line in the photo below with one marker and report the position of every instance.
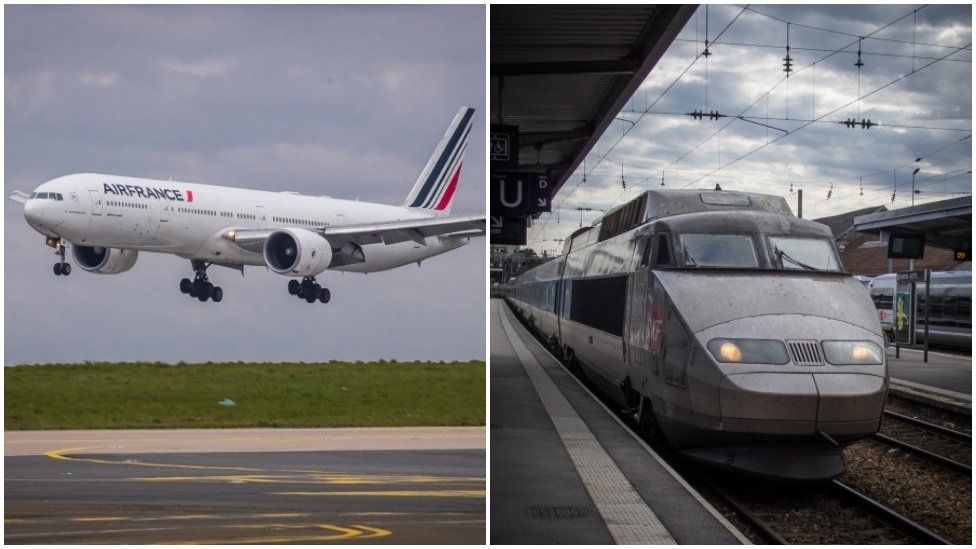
(626, 514)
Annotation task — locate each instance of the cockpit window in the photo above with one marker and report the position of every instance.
(41, 195)
(812, 254)
(33, 195)
(718, 250)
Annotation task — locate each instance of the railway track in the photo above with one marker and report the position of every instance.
(947, 447)
(833, 512)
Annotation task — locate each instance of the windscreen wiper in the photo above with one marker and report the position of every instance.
(781, 255)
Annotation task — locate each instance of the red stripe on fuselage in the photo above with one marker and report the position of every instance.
(189, 196)
(446, 199)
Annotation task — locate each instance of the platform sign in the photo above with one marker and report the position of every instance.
(508, 231)
(503, 147)
(903, 308)
(906, 246)
(524, 193)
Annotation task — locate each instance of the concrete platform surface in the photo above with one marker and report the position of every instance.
(566, 471)
(213, 495)
(950, 372)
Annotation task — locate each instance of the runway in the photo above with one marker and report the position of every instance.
(417, 486)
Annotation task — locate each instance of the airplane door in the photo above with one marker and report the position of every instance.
(96, 200)
(260, 216)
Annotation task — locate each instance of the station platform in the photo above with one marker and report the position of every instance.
(943, 371)
(564, 470)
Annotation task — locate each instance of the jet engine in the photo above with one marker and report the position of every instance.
(96, 259)
(297, 252)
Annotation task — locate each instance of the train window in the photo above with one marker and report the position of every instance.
(663, 257)
(719, 250)
(725, 199)
(804, 253)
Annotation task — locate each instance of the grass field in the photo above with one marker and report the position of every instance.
(333, 394)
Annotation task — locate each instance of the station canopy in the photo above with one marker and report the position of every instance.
(562, 73)
(945, 223)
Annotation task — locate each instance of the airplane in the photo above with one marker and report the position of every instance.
(109, 219)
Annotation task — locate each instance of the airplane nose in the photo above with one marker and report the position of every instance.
(34, 213)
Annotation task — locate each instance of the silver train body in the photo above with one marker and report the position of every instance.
(700, 312)
(950, 313)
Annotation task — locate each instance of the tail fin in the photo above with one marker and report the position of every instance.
(435, 187)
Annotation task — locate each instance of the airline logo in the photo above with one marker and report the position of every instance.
(147, 192)
(444, 168)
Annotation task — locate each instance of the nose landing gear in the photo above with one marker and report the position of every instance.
(62, 267)
(200, 287)
(309, 290)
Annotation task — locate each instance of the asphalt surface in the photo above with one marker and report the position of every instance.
(383, 496)
(951, 372)
(537, 493)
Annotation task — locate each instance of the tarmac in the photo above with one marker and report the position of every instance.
(390, 486)
(566, 471)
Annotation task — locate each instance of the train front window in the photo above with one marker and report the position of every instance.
(812, 254)
(718, 250)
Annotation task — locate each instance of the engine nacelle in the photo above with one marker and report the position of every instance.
(297, 252)
(96, 259)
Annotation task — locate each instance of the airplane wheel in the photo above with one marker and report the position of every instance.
(310, 297)
(206, 290)
(325, 295)
(57, 269)
(293, 287)
(185, 285)
(218, 294)
(202, 297)
(66, 269)
(192, 291)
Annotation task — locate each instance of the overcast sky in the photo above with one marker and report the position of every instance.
(746, 62)
(344, 101)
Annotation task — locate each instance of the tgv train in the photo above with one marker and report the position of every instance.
(722, 322)
(950, 313)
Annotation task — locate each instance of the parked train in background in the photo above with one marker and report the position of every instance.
(721, 321)
(950, 313)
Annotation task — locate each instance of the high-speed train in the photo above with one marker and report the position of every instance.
(722, 322)
(950, 314)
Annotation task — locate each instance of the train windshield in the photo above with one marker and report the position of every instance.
(719, 250)
(813, 254)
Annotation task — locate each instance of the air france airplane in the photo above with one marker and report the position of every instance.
(109, 219)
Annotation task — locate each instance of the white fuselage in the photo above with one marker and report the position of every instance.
(188, 219)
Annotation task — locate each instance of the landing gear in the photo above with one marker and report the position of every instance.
(61, 267)
(200, 287)
(309, 290)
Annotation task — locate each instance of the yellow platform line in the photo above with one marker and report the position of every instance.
(392, 493)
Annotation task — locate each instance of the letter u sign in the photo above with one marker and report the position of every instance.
(518, 195)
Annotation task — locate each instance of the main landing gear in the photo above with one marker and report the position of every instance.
(309, 290)
(62, 267)
(201, 288)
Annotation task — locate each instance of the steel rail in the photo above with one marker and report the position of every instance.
(922, 533)
(941, 460)
(951, 433)
(759, 524)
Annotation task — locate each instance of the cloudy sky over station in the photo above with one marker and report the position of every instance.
(325, 100)
(915, 84)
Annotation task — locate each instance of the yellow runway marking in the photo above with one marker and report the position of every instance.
(97, 519)
(394, 493)
(357, 531)
(59, 454)
(19, 521)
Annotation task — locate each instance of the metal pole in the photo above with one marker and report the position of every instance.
(799, 203)
(928, 284)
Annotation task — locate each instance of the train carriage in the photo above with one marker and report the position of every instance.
(724, 323)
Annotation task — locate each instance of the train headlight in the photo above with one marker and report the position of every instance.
(844, 353)
(751, 351)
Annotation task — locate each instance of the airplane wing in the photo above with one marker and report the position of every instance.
(390, 232)
(19, 196)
